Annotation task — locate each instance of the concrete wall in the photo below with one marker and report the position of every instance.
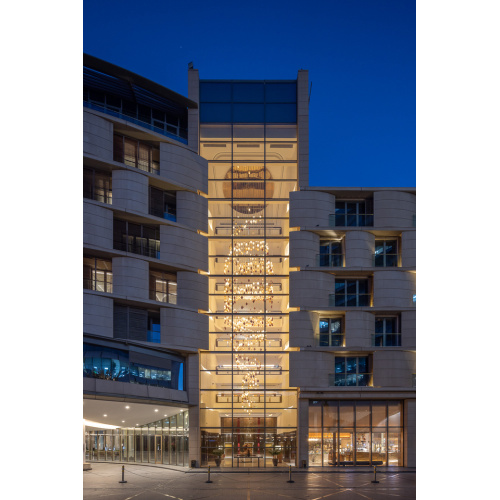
(303, 435)
(97, 225)
(97, 136)
(131, 277)
(359, 249)
(193, 389)
(184, 167)
(192, 210)
(304, 328)
(183, 247)
(409, 329)
(183, 329)
(303, 126)
(192, 290)
(304, 246)
(393, 209)
(410, 433)
(130, 191)
(393, 368)
(311, 368)
(359, 328)
(409, 248)
(310, 289)
(311, 208)
(393, 289)
(97, 314)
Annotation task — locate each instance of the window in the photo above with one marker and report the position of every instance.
(353, 213)
(136, 324)
(136, 154)
(330, 254)
(97, 275)
(162, 204)
(386, 253)
(162, 287)
(387, 332)
(351, 371)
(97, 185)
(351, 293)
(136, 238)
(330, 332)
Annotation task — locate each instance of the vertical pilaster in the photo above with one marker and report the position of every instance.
(303, 126)
(303, 432)
(193, 114)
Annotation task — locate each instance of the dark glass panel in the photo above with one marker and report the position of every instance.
(281, 113)
(339, 379)
(87, 183)
(351, 365)
(215, 113)
(215, 92)
(248, 113)
(323, 325)
(378, 340)
(364, 300)
(340, 286)
(340, 220)
(340, 364)
(363, 286)
(379, 325)
(351, 300)
(340, 300)
(379, 260)
(340, 208)
(363, 364)
(363, 380)
(391, 260)
(248, 92)
(336, 325)
(351, 286)
(281, 92)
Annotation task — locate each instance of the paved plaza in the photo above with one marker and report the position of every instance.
(155, 483)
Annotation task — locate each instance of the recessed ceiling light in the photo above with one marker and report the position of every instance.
(127, 407)
(123, 421)
(156, 410)
(164, 415)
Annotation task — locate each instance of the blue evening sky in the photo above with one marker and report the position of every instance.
(360, 55)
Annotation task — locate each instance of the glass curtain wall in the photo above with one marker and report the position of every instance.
(247, 407)
(355, 433)
(163, 442)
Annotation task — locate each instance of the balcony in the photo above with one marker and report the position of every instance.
(329, 260)
(350, 220)
(343, 300)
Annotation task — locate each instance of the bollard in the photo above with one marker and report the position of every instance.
(208, 481)
(123, 475)
(375, 472)
(290, 475)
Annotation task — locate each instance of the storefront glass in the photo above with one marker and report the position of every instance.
(355, 433)
(165, 441)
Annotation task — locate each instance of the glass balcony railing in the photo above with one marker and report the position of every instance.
(169, 298)
(349, 300)
(329, 260)
(386, 339)
(97, 285)
(385, 260)
(346, 220)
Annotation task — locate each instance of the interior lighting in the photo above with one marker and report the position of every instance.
(104, 415)
(127, 407)
(156, 410)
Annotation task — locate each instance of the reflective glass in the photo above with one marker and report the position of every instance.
(281, 92)
(281, 113)
(215, 113)
(248, 92)
(215, 92)
(253, 113)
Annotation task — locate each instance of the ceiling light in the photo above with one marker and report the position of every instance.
(127, 407)
(156, 410)
(123, 421)
(104, 415)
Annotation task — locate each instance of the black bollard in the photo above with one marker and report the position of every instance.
(375, 472)
(290, 475)
(123, 475)
(208, 481)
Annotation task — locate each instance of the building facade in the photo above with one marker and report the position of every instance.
(242, 317)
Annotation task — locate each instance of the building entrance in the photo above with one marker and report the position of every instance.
(158, 453)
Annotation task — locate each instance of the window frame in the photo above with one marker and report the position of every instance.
(345, 373)
(341, 334)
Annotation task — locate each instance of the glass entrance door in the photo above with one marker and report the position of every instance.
(346, 447)
(158, 455)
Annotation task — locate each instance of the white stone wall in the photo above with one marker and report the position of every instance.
(304, 328)
(409, 329)
(303, 126)
(393, 368)
(179, 246)
(410, 433)
(184, 167)
(311, 208)
(311, 289)
(359, 328)
(393, 289)
(130, 191)
(409, 248)
(131, 278)
(304, 247)
(192, 290)
(359, 249)
(97, 136)
(393, 209)
(192, 210)
(311, 368)
(97, 225)
(183, 329)
(97, 314)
